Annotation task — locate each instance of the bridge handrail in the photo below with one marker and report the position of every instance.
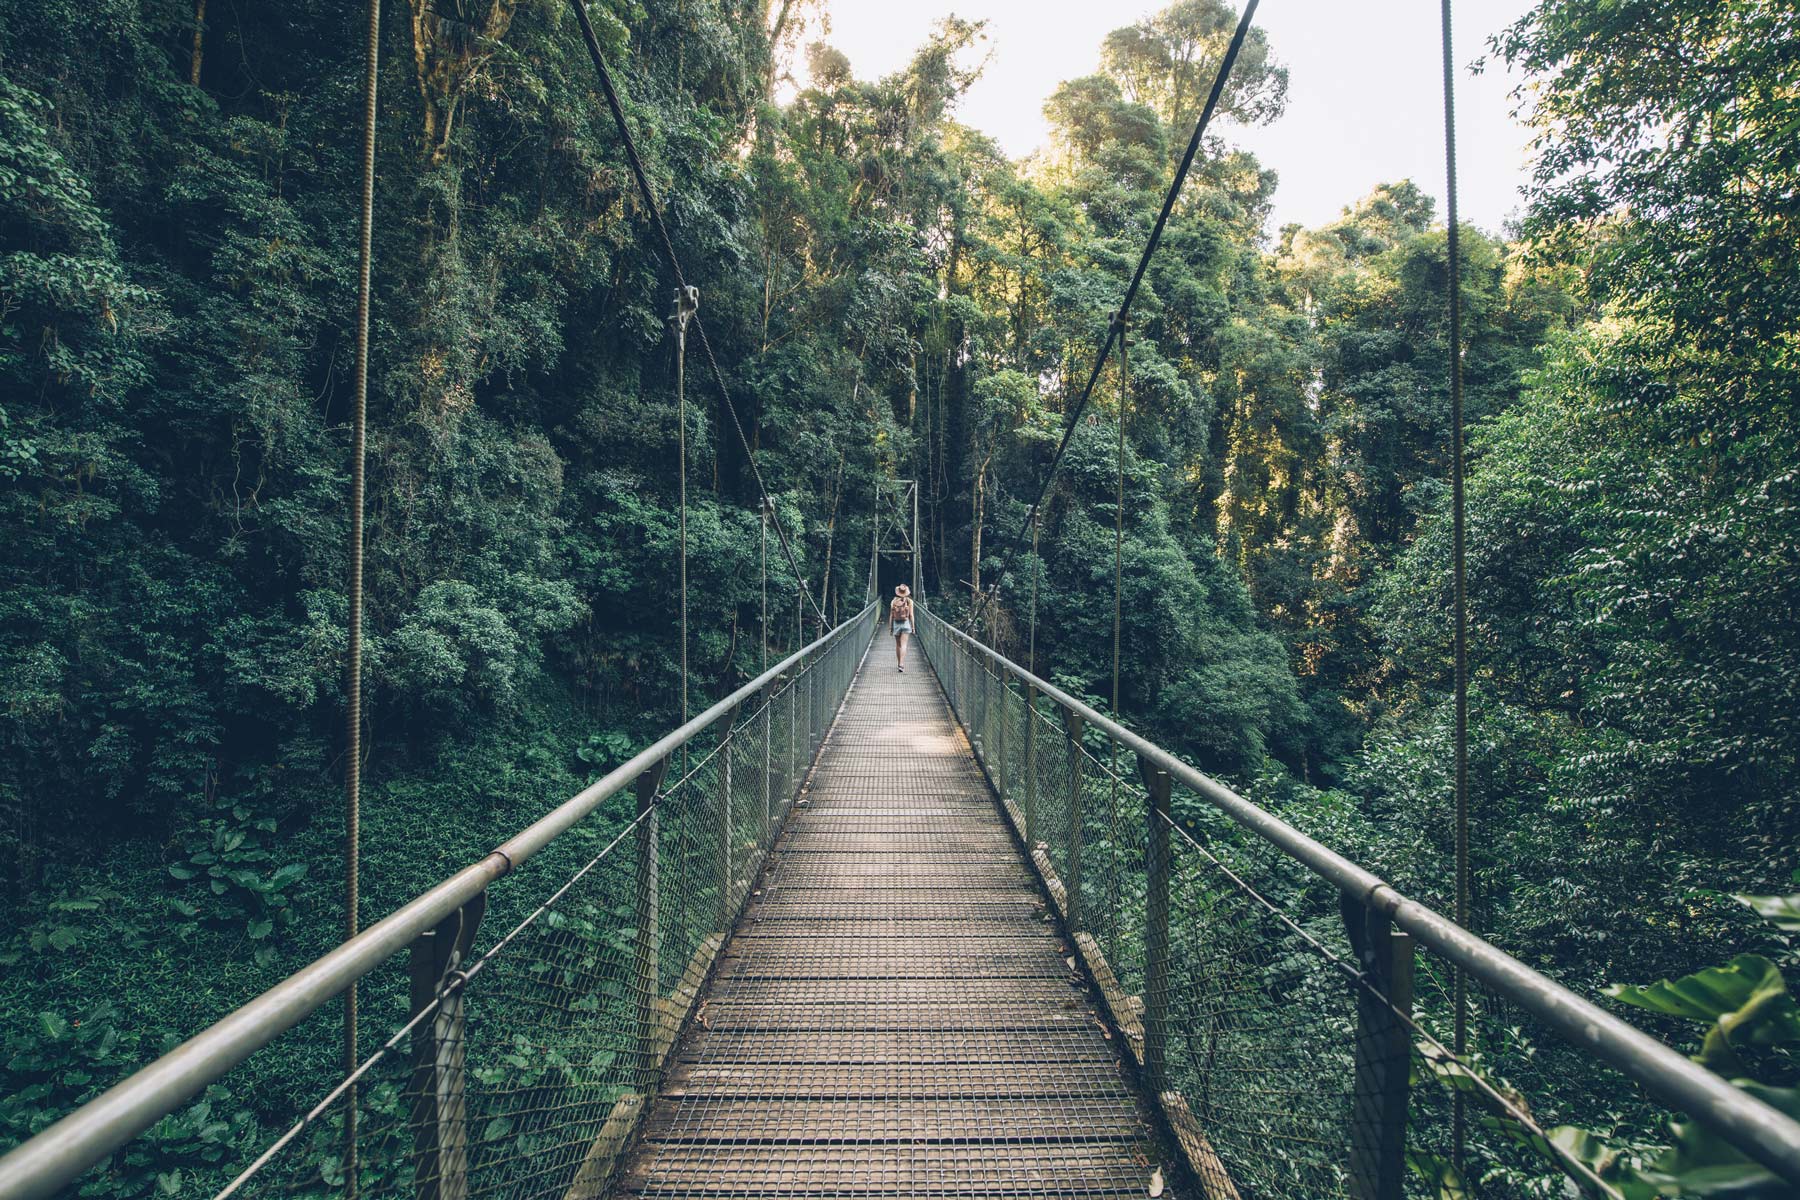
(1759, 1130)
(37, 1168)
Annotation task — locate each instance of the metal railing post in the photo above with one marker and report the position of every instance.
(726, 850)
(1073, 723)
(956, 701)
(965, 705)
(1383, 1054)
(646, 967)
(440, 1109)
(975, 718)
(768, 767)
(1028, 760)
(953, 660)
(1156, 924)
(1001, 768)
(985, 714)
(812, 715)
(976, 683)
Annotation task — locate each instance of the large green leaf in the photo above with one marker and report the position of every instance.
(1606, 1160)
(1781, 911)
(1746, 1002)
(1701, 1163)
(1705, 995)
(1439, 1174)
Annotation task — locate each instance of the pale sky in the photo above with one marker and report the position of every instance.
(1364, 91)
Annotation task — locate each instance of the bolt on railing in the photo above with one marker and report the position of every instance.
(522, 1069)
(1280, 1001)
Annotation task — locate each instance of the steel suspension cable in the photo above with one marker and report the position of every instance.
(354, 588)
(686, 304)
(1037, 568)
(1114, 329)
(1119, 542)
(1119, 518)
(648, 195)
(1459, 572)
(684, 309)
(765, 589)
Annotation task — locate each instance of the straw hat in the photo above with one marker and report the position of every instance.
(903, 590)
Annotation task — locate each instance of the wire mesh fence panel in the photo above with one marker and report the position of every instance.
(1296, 1042)
(1053, 776)
(509, 1063)
(521, 1070)
(1018, 751)
(1259, 1060)
(1521, 1111)
(1006, 751)
(1114, 872)
(562, 1032)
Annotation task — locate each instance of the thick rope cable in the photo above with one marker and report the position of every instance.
(1119, 520)
(648, 195)
(918, 553)
(684, 310)
(1459, 572)
(1119, 539)
(765, 590)
(1037, 568)
(353, 642)
(1137, 278)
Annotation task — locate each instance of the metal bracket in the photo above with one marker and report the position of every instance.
(687, 303)
(1117, 319)
(440, 1087)
(1383, 1052)
(649, 783)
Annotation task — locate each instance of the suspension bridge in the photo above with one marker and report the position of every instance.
(952, 932)
(943, 933)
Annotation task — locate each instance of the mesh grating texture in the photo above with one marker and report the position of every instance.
(896, 1014)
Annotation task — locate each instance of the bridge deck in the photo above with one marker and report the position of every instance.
(895, 1015)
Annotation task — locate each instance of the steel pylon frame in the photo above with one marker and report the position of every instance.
(903, 497)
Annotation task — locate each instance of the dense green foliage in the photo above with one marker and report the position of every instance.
(890, 298)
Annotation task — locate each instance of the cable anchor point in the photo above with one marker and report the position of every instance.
(687, 303)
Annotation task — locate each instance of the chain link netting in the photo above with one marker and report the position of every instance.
(531, 1053)
(1296, 1043)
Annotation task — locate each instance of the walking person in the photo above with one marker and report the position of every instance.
(900, 623)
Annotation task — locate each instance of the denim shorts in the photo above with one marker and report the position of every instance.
(901, 627)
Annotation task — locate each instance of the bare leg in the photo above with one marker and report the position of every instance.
(900, 647)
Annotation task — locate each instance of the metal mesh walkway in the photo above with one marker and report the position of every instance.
(896, 1014)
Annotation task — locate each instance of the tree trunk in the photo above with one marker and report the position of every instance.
(975, 529)
(776, 32)
(199, 42)
(450, 45)
(912, 385)
(831, 532)
(724, 687)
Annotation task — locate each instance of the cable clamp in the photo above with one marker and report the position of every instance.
(1117, 322)
(687, 303)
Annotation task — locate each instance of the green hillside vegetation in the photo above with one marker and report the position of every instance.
(890, 298)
